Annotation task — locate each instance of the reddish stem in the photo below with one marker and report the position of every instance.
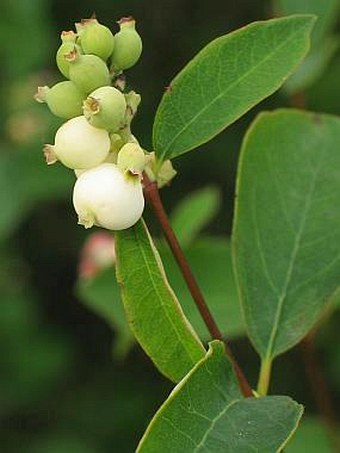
(152, 195)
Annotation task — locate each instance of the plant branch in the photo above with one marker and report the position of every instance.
(152, 195)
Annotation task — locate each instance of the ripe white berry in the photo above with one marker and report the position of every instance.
(79, 145)
(103, 196)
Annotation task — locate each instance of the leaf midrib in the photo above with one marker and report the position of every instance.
(213, 423)
(226, 91)
(290, 268)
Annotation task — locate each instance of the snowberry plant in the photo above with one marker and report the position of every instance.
(285, 239)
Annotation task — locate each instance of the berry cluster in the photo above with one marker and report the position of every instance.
(96, 140)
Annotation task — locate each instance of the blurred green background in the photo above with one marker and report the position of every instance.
(63, 388)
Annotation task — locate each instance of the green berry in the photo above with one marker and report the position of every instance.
(68, 45)
(96, 39)
(88, 72)
(64, 99)
(128, 46)
(105, 108)
(131, 159)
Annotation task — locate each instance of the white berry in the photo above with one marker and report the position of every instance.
(103, 196)
(79, 145)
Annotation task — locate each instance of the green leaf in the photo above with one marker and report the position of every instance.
(194, 212)
(226, 79)
(206, 413)
(154, 314)
(312, 436)
(217, 285)
(101, 294)
(286, 235)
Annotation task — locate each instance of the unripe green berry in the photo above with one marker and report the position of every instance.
(128, 46)
(102, 196)
(105, 108)
(78, 145)
(88, 72)
(64, 99)
(96, 39)
(131, 159)
(68, 44)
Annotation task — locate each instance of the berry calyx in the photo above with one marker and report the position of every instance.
(102, 196)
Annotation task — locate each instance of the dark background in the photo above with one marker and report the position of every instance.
(60, 389)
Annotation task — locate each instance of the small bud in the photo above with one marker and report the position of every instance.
(116, 143)
(162, 174)
(103, 197)
(96, 39)
(68, 44)
(88, 72)
(131, 159)
(105, 108)
(78, 145)
(128, 46)
(64, 99)
(133, 100)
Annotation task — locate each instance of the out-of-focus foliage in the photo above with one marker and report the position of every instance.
(60, 387)
(324, 43)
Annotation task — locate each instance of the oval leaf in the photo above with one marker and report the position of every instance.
(154, 314)
(286, 236)
(207, 413)
(226, 79)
